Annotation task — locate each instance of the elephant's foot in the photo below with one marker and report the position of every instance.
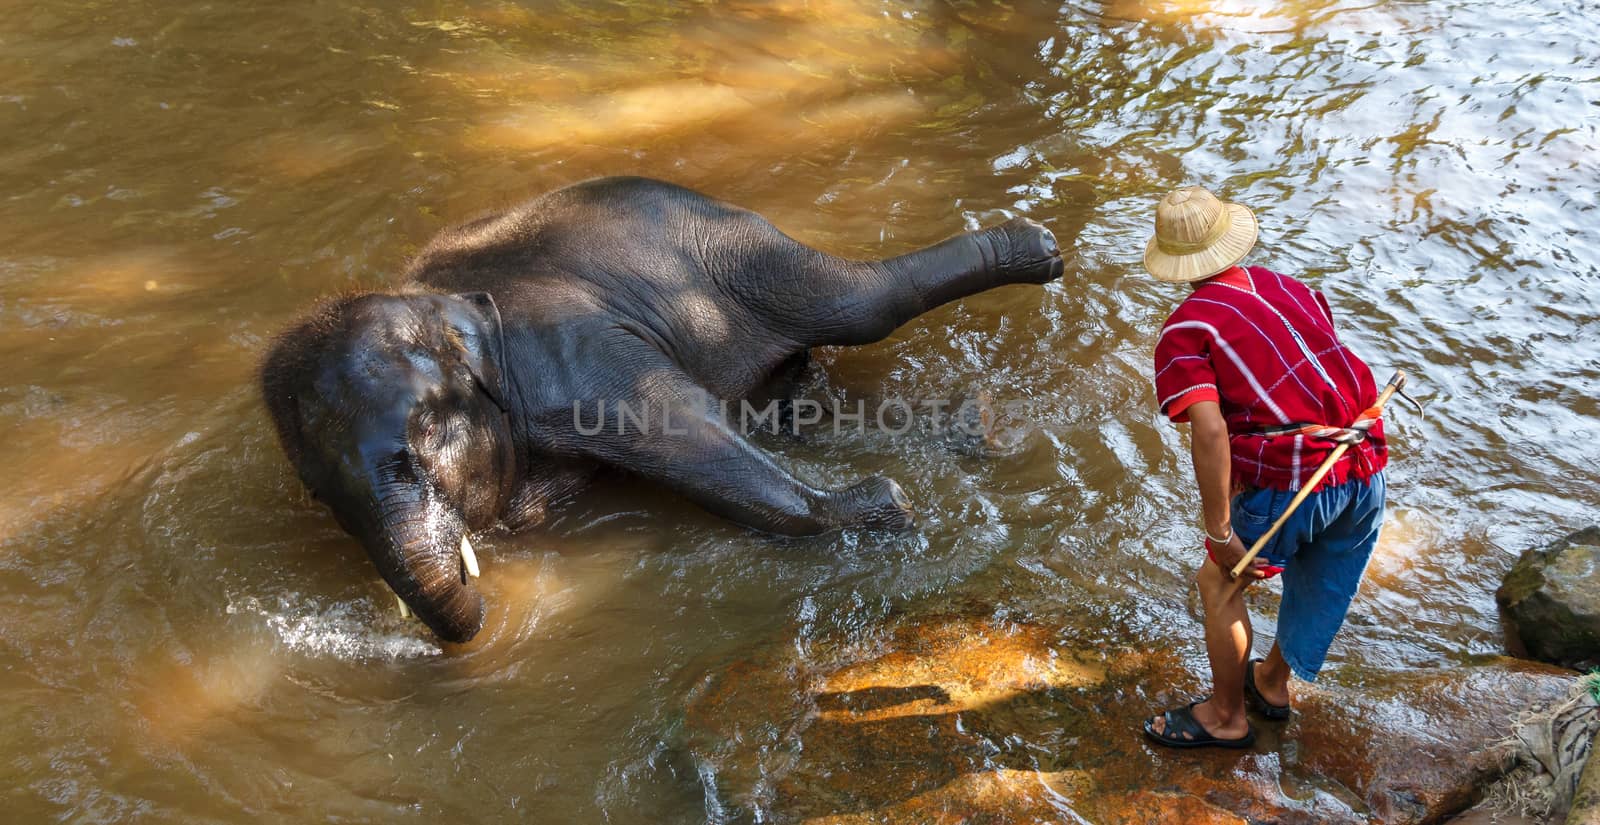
(1026, 252)
(877, 503)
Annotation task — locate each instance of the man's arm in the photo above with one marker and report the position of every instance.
(1213, 472)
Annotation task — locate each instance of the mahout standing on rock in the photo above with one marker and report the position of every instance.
(1251, 360)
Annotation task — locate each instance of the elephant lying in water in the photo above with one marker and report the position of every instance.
(453, 404)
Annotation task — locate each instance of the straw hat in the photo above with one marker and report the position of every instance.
(1197, 236)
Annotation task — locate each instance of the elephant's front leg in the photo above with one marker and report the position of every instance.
(675, 435)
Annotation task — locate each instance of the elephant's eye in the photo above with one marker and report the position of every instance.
(428, 425)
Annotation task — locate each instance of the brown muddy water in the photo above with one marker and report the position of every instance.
(185, 637)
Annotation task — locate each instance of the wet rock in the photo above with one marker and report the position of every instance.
(1421, 745)
(1551, 601)
(952, 719)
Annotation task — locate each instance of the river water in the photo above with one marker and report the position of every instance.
(184, 636)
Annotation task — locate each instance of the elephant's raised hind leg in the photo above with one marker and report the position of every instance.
(817, 299)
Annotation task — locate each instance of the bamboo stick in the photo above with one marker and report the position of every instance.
(1394, 385)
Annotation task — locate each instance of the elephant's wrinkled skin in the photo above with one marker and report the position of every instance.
(448, 406)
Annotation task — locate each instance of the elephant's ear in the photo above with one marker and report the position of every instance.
(483, 338)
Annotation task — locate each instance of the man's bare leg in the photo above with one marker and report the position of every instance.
(1228, 638)
(1272, 677)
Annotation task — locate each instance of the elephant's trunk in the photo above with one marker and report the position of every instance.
(418, 550)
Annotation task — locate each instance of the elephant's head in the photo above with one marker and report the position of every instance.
(393, 409)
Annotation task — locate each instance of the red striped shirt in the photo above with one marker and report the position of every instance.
(1262, 345)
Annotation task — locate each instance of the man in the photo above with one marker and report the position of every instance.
(1250, 359)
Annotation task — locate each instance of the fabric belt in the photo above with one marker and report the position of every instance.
(1352, 435)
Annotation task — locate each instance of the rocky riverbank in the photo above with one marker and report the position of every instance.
(1550, 605)
(959, 718)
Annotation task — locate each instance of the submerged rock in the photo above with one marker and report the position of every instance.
(1551, 601)
(953, 719)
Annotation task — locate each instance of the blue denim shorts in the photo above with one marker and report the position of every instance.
(1323, 548)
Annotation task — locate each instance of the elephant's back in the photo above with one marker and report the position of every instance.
(635, 198)
(629, 226)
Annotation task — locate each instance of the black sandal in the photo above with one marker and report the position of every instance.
(1276, 713)
(1181, 721)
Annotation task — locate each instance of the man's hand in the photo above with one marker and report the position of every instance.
(1227, 557)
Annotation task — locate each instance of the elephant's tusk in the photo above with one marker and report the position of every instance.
(469, 558)
(405, 612)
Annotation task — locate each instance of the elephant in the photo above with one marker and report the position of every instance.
(467, 398)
